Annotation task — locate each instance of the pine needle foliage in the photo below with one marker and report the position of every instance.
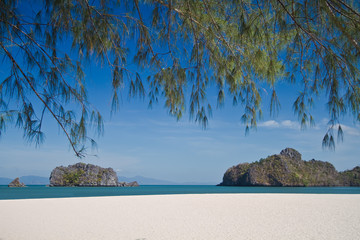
(185, 46)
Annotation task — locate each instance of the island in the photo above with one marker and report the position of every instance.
(16, 183)
(86, 175)
(288, 169)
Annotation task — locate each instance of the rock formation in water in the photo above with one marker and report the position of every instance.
(86, 175)
(130, 184)
(16, 183)
(288, 169)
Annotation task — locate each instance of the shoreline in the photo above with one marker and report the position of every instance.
(42, 192)
(187, 216)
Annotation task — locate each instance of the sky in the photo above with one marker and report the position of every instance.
(139, 141)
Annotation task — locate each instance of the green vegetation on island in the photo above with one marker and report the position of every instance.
(86, 175)
(288, 169)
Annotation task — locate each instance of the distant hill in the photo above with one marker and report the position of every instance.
(145, 181)
(198, 183)
(288, 169)
(34, 180)
(5, 181)
(27, 180)
(152, 181)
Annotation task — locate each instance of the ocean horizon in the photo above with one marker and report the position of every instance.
(42, 191)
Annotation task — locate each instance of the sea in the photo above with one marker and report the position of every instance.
(41, 191)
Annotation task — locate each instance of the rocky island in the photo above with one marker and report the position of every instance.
(16, 183)
(86, 175)
(288, 169)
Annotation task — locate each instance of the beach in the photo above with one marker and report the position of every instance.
(187, 216)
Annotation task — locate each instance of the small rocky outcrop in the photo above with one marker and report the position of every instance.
(291, 153)
(16, 183)
(130, 184)
(85, 175)
(288, 169)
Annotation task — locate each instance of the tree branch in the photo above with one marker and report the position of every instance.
(40, 98)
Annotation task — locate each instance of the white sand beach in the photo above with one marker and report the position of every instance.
(207, 216)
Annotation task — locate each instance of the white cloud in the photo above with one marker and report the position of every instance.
(288, 124)
(269, 124)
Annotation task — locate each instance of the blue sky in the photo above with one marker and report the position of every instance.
(150, 143)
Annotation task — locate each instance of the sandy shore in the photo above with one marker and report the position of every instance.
(210, 216)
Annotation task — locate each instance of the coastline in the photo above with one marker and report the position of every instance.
(190, 216)
(40, 192)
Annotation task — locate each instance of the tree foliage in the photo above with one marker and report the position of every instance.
(185, 46)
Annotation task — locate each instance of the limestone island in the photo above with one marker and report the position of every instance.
(288, 169)
(16, 183)
(86, 175)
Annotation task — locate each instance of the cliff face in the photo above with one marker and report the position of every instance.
(84, 175)
(288, 169)
(351, 177)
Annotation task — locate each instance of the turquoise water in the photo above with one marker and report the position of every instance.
(62, 192)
